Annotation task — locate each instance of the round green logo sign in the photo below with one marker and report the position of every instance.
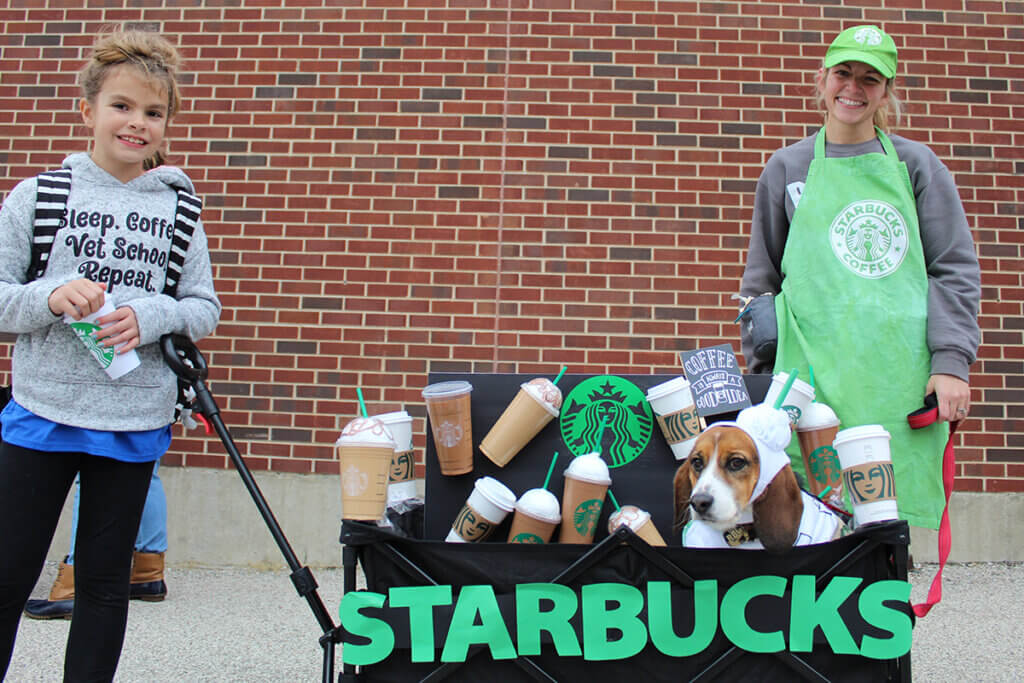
(617, 401)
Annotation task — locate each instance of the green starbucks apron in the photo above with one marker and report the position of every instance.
(854, 307)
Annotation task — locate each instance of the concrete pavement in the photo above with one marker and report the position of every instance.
(250, 625)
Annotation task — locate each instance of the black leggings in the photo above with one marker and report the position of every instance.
(33, 487)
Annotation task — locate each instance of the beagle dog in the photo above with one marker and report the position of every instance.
(729, 494)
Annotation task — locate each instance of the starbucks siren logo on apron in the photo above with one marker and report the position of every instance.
(870, 238)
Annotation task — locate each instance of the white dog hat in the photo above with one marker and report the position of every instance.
(770, 429)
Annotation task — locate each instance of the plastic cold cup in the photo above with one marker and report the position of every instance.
(401, 477)
(816, 432)
(450, 412)
(797, 399)
(639, 521)
(115, 364)
(867, 473)
(585, 486)
(365, 449)
(536, 516)
(537, 403)
(673, 403)
(485, 508)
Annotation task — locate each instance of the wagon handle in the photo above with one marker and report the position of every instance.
(177, 348)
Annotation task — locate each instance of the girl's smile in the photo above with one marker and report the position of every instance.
(128, 120)
(852, 91)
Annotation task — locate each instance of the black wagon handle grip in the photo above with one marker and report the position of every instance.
(176, 348)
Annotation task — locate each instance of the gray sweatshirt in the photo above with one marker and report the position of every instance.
(115, 233)
(954, 277)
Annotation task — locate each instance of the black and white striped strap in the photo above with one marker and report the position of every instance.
(52, 192)
(186, 217)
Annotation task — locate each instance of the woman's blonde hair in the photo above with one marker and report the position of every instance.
(887, 116)
(148, 52)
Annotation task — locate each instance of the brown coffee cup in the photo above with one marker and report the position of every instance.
(816, 431)
(450, 412)
(639, 521)
(586, 484)
(365, 449)
(536, 516)
(536, 404)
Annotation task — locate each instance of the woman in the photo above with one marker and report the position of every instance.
(863, 239)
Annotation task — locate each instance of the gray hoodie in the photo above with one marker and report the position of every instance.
(117, 233)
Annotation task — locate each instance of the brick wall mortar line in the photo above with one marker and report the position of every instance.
(496, 346)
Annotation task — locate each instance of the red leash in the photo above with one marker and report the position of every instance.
(923, 417)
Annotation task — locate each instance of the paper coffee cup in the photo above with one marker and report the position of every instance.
(816, 431)
(115, 364)
(536, 515)
(673, 403)
(450, 413)
(401, 477)
(797, 399)
(586, 483)
(537, 403)
(484, 510)
(867, 473)
(639, 521)
(365, 449)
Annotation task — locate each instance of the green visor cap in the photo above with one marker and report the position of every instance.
(868, 44)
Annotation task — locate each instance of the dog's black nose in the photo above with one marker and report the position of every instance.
(701, 502)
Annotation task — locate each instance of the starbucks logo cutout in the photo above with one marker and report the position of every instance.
(793, 411)
(618, 401)
(402, 466)
(868, 36)
(870, 482)
(869, 238)
(354, 481)
(527, 537)
(471, 525)
(824, 462)
(584, 517)
(449, 434)
(85, 332)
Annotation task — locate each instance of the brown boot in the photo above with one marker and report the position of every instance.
(61, 600)
(148, 577)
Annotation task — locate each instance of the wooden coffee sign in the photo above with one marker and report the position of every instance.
(715, 380)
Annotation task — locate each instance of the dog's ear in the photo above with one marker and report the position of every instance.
(683, 487)
(778, 511)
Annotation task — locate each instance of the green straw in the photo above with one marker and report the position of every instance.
(551, 468)
(560, 373)
(810, 369)
(825, 492)
(785, 389)
(362, 404)
(614, 502)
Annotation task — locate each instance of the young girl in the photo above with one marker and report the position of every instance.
(66, 415)
(863, 239)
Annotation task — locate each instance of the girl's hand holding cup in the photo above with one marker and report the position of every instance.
(120, 329)
(77, 298)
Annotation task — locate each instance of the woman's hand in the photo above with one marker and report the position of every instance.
(954, 396)
(119, 327)
(77, 298)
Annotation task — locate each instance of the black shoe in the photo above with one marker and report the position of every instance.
(150, 591)
(49, 609)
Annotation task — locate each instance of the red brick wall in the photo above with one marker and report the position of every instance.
(394, 188)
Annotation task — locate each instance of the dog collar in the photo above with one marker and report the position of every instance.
(739, 534)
